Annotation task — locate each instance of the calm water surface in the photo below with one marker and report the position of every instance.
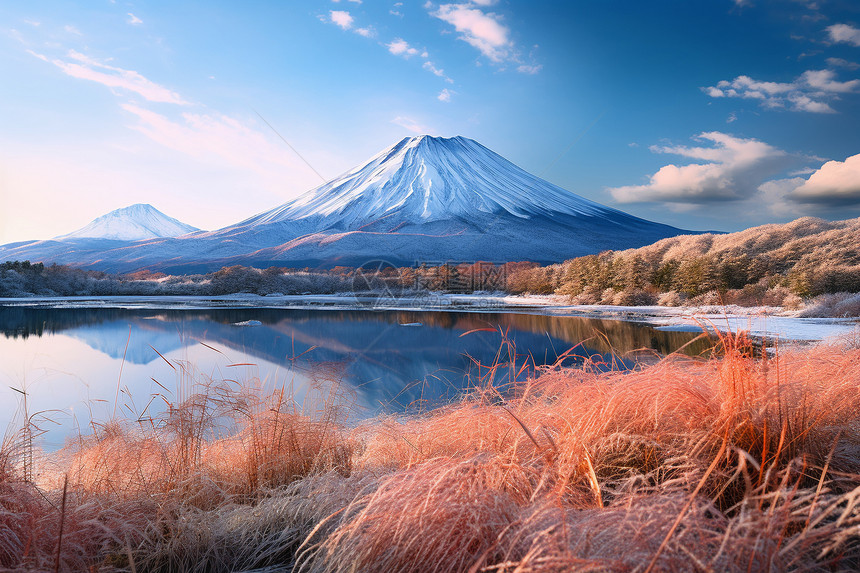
(81, 364)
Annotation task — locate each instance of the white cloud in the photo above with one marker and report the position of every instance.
(445, 95)
(485, 32)
(345, 21)
(810, 92)
(835, 183)
(482, 30)
(823, 80)
(342, 18)
(412, 125)
(733, 171)
(844, 33)
(72, 30)
(134, 20)
(86, 68)
(400, 47)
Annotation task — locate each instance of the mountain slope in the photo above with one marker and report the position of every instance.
(133, 223)
(425, 199)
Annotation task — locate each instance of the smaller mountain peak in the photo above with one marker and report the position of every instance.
(133, 223)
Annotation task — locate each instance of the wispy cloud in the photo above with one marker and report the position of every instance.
(445, 95)
(83, 67)
(412, 125)
(342, 18)
(72, 30)
(811, 92)
(216, 139)
(733, 170)
(431, 67)
(844, 33)
(842, 63)
(398, 46)
(529, 69)
(134, 20)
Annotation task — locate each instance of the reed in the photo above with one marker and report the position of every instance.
(744, 461)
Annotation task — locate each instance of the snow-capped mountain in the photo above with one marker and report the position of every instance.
(424, 179)
(425, 199)
(134, 223)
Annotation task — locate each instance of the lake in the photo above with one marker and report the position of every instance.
(78, 364)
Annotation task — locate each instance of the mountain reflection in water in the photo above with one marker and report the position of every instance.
(387, 359)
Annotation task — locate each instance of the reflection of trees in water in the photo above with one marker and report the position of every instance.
(620, 337)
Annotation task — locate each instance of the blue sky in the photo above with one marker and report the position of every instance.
(706, 115)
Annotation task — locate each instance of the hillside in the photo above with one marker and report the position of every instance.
(805, 258)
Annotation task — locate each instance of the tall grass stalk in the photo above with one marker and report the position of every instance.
(743, 461)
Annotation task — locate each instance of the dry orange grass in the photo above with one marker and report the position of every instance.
(736, 463)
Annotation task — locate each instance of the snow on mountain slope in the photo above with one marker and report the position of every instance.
(424, 179)
(134, 223)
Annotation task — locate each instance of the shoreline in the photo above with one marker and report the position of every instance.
(763, 323)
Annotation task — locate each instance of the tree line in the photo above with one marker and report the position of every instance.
(775, 264)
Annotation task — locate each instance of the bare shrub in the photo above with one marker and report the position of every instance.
(710, 298)
(838, 305)
(634, 297)
(671, 298)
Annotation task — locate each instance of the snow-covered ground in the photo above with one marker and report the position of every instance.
(761, 322)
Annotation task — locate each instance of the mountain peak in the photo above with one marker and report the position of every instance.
(423, 179)
(133, 223)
